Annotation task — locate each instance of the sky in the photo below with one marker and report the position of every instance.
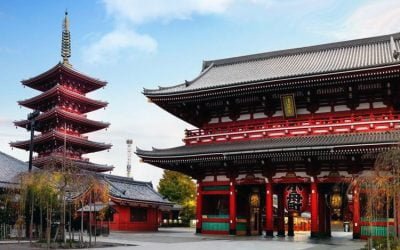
(136, 44)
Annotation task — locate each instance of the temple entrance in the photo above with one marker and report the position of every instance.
(334, 209)
(250, 208)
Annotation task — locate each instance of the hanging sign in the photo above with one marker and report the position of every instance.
(288, 106)
(296, 198)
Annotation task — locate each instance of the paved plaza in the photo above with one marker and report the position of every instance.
(184, 238)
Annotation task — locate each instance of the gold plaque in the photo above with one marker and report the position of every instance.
(288, 106)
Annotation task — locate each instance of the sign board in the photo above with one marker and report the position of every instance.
(288, 106)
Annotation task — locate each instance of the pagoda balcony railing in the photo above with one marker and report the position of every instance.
(61, 155)
(318, 125)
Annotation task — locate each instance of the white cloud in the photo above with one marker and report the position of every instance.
(114, 43)
(139, 11)
(128, 14)
(374, 18)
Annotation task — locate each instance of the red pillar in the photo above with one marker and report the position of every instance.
(314, 209)
(269, 212)
(232, 207)
(199, 207)
(356, 213)
(281, 213)
(322, 213)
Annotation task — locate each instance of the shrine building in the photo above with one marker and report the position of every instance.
(281, 136)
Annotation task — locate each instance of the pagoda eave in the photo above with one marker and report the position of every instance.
(61, 91)
(59, 137)
(36, 81)
(57, 113)
(42, 162)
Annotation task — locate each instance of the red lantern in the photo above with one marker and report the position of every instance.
(296, 198)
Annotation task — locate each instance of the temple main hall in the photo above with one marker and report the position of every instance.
(280, 137)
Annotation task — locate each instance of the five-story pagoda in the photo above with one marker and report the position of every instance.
(62, 121)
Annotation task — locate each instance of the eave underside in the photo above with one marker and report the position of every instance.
(57, 161)
(347, 152)
(54, 75)
(56, 139)
(52, 98)
(59, 116)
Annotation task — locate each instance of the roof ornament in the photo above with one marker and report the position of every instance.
(394, 49)
(66, 41)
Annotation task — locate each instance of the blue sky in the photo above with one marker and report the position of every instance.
(134, 44)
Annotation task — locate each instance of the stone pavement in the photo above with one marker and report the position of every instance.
(184, 238)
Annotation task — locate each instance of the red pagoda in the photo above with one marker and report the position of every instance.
(281, 136)
(62, 121)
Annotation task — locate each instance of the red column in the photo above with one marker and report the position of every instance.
(232, 207)
(199, 205)
(269, 212)
(322, 213)
(356, 213)
(290, 224)
(314, 209)
(281, 213)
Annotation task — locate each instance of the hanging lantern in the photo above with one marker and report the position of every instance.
(296, 198)
(255, 200)
(336, 200)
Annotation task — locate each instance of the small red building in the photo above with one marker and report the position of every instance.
(136, 205)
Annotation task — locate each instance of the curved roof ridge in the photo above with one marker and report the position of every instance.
(299, 50)
(60, 65)
(162, 88)
(185, 84)
(124, 178)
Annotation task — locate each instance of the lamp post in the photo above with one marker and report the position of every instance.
(31, 126)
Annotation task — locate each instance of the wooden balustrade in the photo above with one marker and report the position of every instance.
(340, 122)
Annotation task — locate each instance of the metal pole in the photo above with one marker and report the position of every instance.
(32, 128)
(32, 118)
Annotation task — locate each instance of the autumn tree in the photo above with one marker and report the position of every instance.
(383, 187)
(179, 188)
(50, 189)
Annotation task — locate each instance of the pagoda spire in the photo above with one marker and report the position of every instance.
(66, 41)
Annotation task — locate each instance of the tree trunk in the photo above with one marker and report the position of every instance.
(41, 222)
(31, 223)
(69, 226)
(387, 222)
(90, 219)
(95, 225)
(62, 222)
(81, 233)
(48, 226)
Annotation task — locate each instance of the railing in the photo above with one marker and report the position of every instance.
(343, 122)
(61, 155)
(5, 231)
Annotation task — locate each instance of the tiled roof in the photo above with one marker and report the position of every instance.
(10, 168)
(31, 82)
(300, 62)
(284, 144)
(129, 189)
(83, 142)
(81, 164)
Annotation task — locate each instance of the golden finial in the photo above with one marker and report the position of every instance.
(66, 41)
